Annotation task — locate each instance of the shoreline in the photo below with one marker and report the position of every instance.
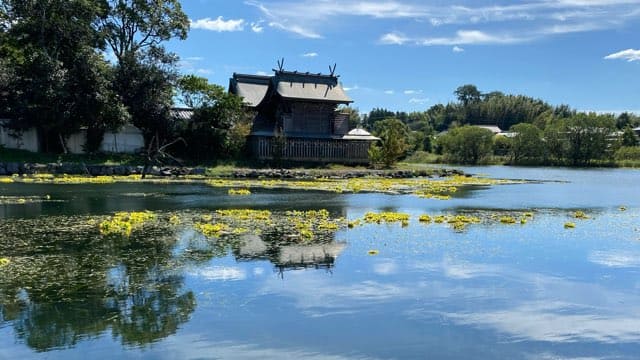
(60, 169)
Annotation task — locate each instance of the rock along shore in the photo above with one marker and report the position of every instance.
(16, 168)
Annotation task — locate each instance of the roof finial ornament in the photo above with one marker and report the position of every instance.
(332, 70)
(281, 65)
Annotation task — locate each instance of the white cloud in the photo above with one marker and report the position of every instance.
(556, 322)
(393, 38)
(412, 92)
(385, 268)
(530, 19)
(389, 92)
(194, 58)
(261, 73)
(629, 55)
(221, 273)
(457, 49)
(219, 24)
(615, 258)
(204, 71)
(418, 100)
(351, 88)
(296, 29)
(466, 37)
(257, 27)
(310, 54)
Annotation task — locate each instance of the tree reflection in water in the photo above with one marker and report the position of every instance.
(67, 283)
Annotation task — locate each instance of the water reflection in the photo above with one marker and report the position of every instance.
(66, 283)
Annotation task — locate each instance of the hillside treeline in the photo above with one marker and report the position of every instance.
(540, 133)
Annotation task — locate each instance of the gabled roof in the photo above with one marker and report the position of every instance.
(307, 86)
(252, 88)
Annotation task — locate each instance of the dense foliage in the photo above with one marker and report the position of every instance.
(104, 68)
(538, 133)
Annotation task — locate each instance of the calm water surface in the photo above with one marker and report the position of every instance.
(493, 291)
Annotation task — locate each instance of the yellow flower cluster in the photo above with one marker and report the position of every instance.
(245, 214)
(580, 215)
(427, 188)
(387, 217)
(123, 223)
(239, 192)
(212, 230)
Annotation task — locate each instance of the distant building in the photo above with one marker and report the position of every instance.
(297, 118)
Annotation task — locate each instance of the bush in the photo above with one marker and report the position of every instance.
(627, 153)
(467, 144)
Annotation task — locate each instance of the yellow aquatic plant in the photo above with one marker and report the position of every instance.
(387, 217)
(211, 230)
(569, 225)
(239, 192)
(580, 215)
(123, 223)
(507, 220)
(4, 262)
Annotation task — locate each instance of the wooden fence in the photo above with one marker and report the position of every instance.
(311, 150)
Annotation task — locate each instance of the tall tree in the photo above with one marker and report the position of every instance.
(56, 67)
(146, 73)
(468, 94)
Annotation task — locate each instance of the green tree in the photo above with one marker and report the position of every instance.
(394, 144)
(629, 137)
(57, 73)
(354, 116)
(467, 144)
(468, 94)
(587, 137)
(219, 125)
(526, 145)
(146, 73)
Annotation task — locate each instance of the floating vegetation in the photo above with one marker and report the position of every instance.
(373, 252)
(175, 220)
(507, 220)
(212, 230)
(623, 208)
(5, 180)
(387, 217)
(569, 225)
(424, 218)
(239, 192)
(580, 215)
(4, 262)
(440, 189)
(123, 223)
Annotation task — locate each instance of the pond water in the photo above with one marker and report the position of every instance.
(376, 291)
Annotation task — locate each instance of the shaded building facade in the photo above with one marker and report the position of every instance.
(297, 118)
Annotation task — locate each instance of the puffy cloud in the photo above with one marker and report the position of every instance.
(219, 24)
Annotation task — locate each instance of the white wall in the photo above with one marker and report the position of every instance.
(128, 140)
(27, 141)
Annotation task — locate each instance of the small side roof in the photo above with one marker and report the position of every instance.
(251, 88)
(360, 134)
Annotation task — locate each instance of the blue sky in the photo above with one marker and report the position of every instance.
(409, 55)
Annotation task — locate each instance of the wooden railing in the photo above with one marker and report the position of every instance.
(311, 150)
